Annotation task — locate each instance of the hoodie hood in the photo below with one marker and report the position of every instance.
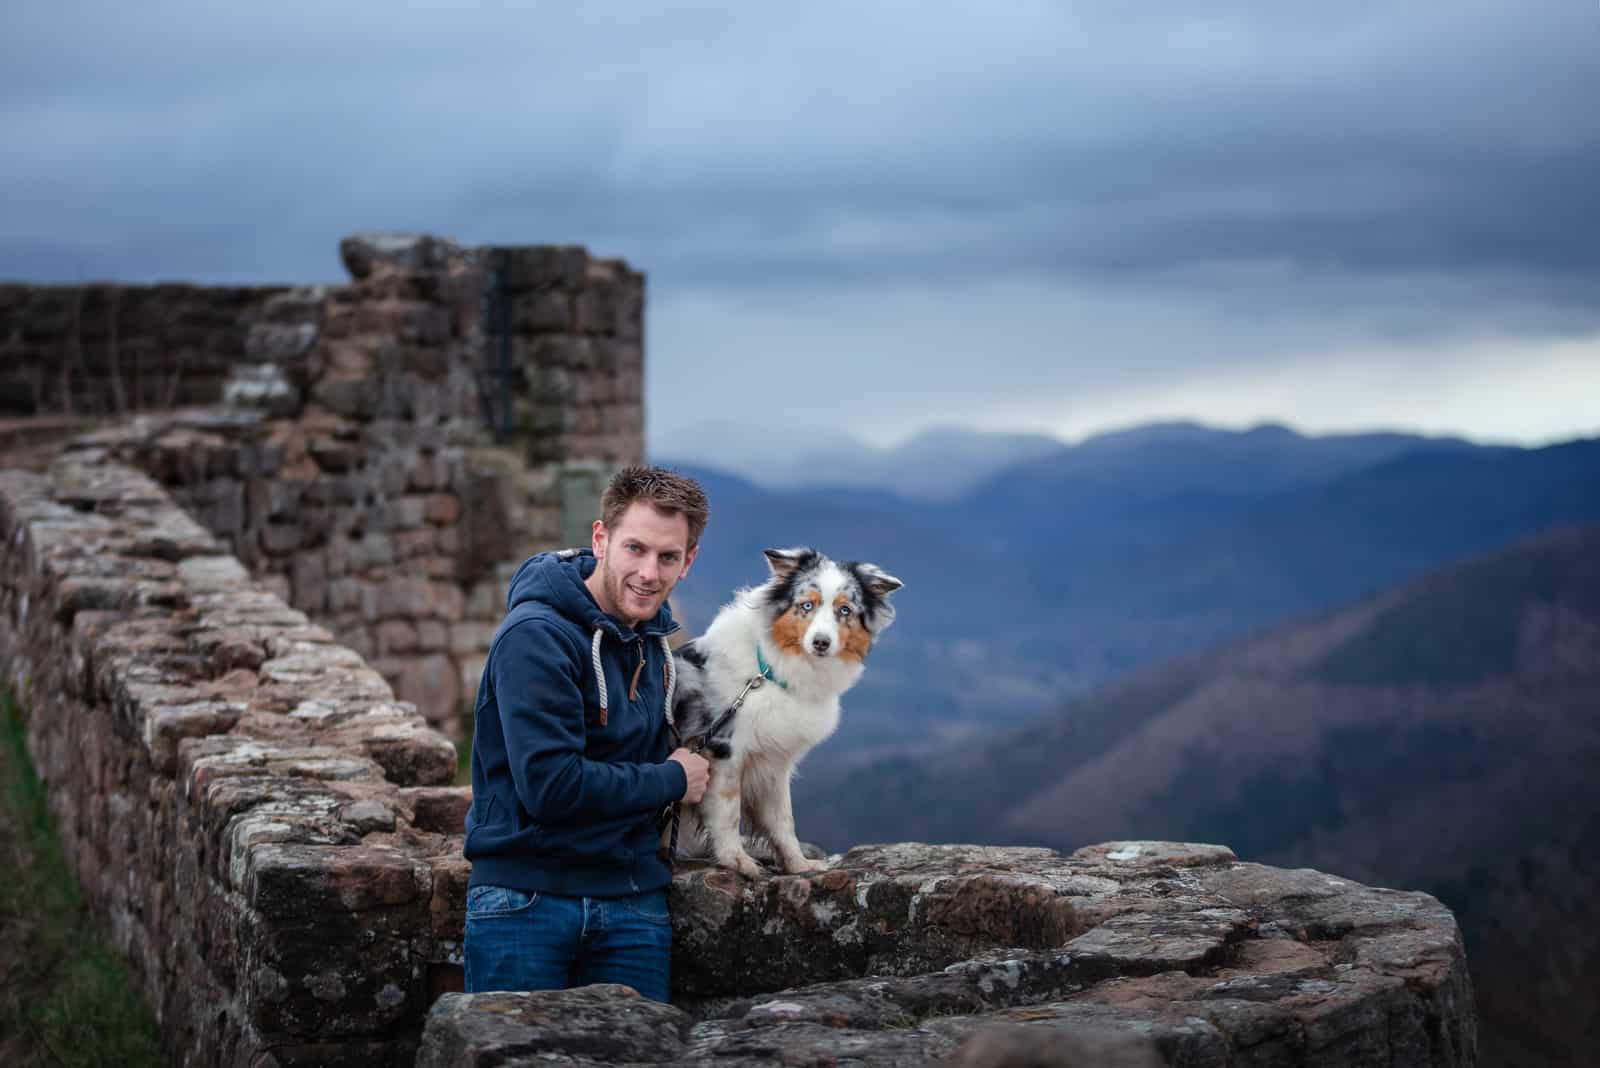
(556, 579)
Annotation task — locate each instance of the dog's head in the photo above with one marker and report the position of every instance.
(819, 607)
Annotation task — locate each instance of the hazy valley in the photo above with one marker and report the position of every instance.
(1377, 656)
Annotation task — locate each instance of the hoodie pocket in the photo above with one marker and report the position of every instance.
(480, 818)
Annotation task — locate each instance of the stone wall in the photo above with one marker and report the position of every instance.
(266, 832)
(108, 349)
(264, 829)
(380, 454)
(1123, 954)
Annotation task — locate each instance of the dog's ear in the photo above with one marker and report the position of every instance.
(785, 562)
(876, 580)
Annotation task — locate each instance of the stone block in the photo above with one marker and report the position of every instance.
(596, 310)
(412, 544)
(471, 668)
(485, 600)
(357, 637)
(308, 583)
(471, 636)
(577, 353)
(339, 320)
(406, 597)
(447, 602)
(596, 1025)
(438, 809)
(261, 387)
(432, 683)
(390, 471)
(427, 473)
(295, 306)
(542, 267)
(372, 551)
(547, 311)
(393, 636)
(354, 398)
(404, 513)
(432, 635)
(408, 322)
(441, 508)
(344, 595)
(366, 255)
(279, 538)
(429, 361)
(281, 343)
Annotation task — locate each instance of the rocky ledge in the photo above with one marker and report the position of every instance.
(1128, 953)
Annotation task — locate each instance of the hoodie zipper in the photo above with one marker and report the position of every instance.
(633, 684)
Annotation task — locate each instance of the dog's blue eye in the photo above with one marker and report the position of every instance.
(844, 611)
(806, 606)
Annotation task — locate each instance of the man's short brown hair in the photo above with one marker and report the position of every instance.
(668, 491)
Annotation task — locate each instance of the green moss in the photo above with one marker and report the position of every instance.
(65, 998)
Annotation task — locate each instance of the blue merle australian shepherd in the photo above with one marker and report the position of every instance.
(778, 655)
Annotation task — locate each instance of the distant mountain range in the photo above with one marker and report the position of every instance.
(1055, 574)
(936, 465)
(1443, 736)
(946, 463)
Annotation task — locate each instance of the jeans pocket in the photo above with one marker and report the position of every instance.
(499, 901)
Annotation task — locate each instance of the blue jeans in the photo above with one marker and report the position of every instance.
(523, 941)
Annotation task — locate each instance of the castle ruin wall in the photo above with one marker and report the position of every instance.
(380, 454)
(265, 830)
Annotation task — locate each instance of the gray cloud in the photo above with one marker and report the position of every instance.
(1355, 174)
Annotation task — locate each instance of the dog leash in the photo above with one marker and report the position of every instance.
(697, 745)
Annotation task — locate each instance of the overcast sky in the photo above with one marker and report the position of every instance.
(882, 217)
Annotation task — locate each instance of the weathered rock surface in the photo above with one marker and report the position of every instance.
(236, 793)
(1130, 953)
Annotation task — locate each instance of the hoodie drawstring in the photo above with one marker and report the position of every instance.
(599, 674)
(672, 681)
(600, 677)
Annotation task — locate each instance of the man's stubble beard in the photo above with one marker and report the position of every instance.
(615, 587)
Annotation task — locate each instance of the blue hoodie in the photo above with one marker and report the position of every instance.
(561, 802)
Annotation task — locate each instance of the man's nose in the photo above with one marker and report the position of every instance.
(650, 569)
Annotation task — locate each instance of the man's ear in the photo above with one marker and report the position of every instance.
(597, 539)
(688, 561)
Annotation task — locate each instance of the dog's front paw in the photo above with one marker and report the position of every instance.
(743, 863)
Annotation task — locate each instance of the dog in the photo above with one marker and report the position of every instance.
(778, 656)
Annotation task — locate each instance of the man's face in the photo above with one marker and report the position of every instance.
(641, 558)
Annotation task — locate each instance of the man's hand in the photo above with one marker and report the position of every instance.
(697, 770)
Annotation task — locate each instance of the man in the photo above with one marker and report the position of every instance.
(570, 764)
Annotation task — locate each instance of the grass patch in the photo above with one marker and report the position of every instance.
(65, 998)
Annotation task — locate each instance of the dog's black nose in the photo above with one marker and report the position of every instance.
(821, 644)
